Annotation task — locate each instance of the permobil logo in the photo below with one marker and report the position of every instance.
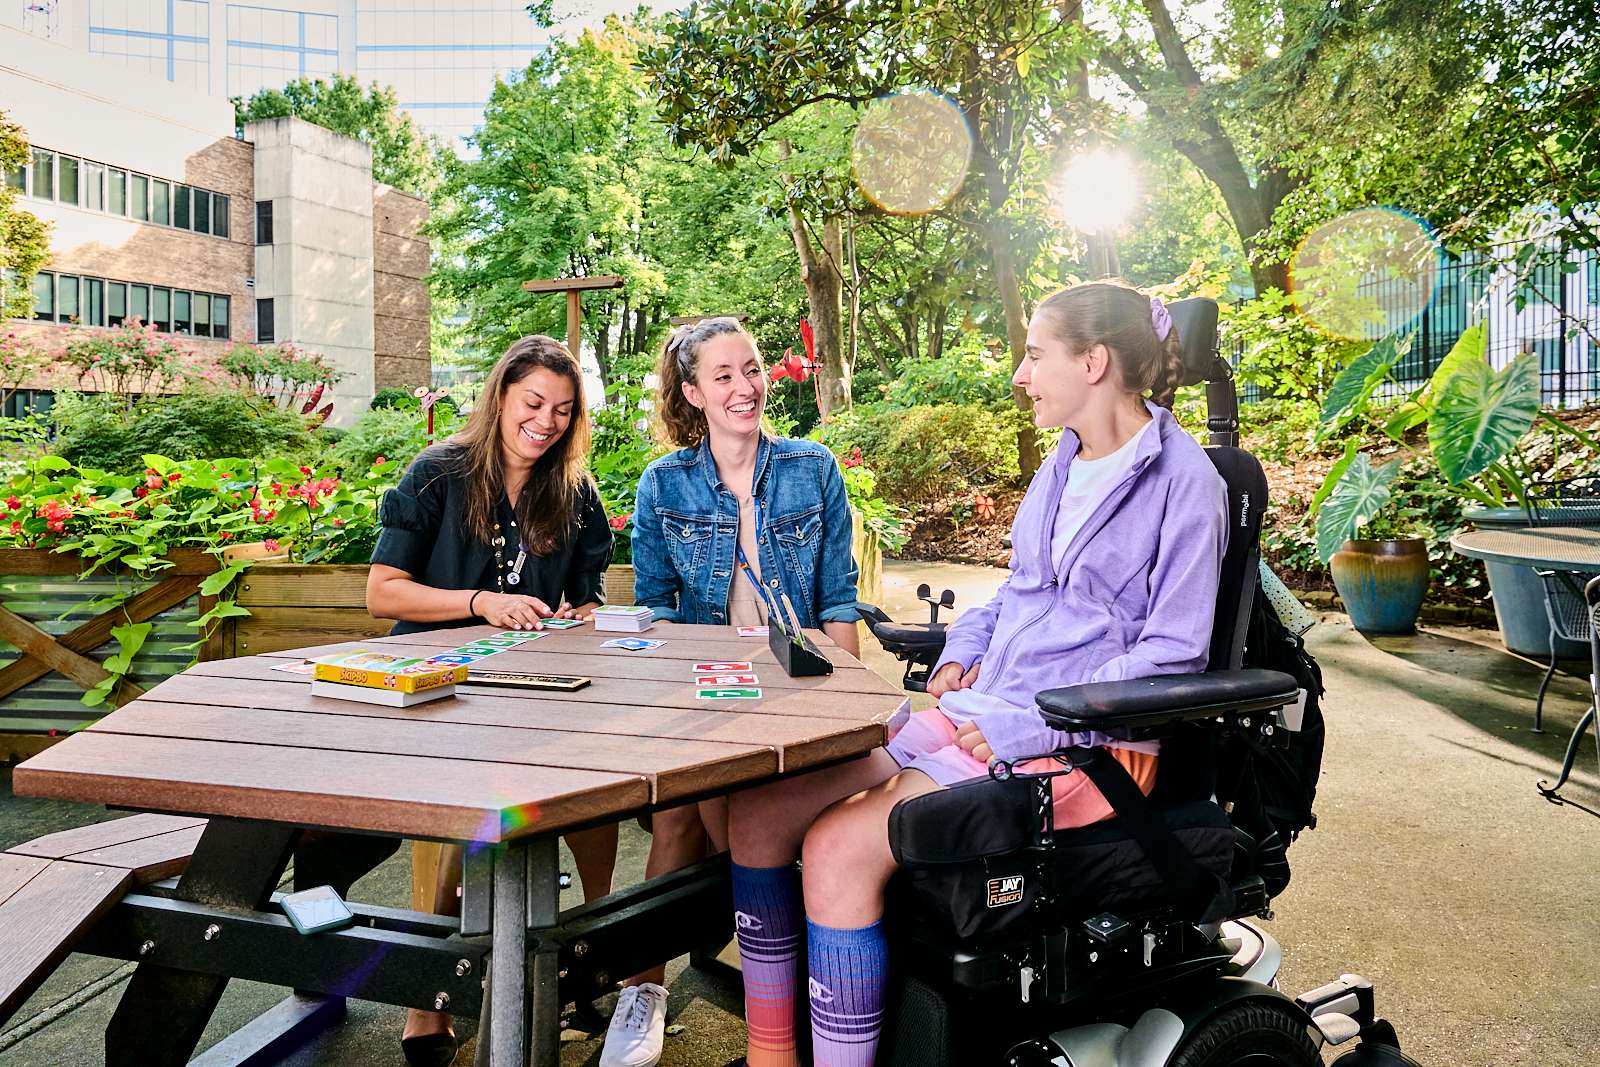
(1006, 890)
(1244, 510)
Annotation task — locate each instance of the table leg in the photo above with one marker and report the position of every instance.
(164, 1011)
(544, 909)
(507, 1002)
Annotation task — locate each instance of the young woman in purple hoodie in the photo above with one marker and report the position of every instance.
(1116, 552)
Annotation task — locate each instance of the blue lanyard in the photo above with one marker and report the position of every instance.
(744, 562)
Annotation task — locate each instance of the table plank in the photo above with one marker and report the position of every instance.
(461, 800)
(105, 834)
(149, 859)
(812, 704)
(624, 666)
(800, 740)
(43, 918)
(17, 871)
(675, 768)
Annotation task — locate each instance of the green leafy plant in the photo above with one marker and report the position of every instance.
(106, 432)
(288, 376)
(126, 359)
(1476, 419)
(882, 520)
(620, 451)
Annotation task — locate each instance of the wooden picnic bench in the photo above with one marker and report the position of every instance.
(54, 888)
(506, 772)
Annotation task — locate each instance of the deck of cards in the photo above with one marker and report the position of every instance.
(726, 681)
(623, 618)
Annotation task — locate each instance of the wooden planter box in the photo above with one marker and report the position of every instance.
(297, 604)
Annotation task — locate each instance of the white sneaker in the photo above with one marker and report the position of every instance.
(637, 1027)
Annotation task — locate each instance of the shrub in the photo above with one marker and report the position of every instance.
(963, 376)
(396, 433)
(105, 432)
(920, 452)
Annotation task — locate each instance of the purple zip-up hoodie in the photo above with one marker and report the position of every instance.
(1134, 597)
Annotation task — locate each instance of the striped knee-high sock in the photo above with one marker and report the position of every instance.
(848, 973)
(768, 915)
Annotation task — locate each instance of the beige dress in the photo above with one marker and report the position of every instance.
(745, 607)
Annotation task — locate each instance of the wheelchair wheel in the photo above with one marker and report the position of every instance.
(1256, 1033)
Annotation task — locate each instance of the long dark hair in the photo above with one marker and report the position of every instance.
(548, 501)
(1118, 317)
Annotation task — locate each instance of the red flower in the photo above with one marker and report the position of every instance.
(225, 535)
(854, 458)
(270, 545)
(174, 477)
(16, 527)
(790, 366)
(306, 471)
(380, 461)
(141, 492)
(619, 521)
(153, 481)
(338, 522)
(13, 504)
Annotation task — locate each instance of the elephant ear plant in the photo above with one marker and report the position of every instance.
(1475, 415)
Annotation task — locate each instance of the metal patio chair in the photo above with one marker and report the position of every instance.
(1572, 502)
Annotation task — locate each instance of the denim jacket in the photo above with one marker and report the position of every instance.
(686, 524)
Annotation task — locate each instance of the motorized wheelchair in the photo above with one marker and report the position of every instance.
(1127, 943)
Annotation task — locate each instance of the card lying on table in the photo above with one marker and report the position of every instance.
(561, 624)
(727, 679)
(725, 693)
(632, 644)
(723, 668)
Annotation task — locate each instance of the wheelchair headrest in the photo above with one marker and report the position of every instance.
(1196, 322)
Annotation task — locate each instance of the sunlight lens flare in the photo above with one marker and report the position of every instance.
(911, 152)
(1366, 273)
(1097, 191)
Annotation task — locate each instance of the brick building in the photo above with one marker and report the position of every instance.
(158, 211)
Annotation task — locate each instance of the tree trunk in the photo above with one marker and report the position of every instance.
(822, 281)
(641, 330)
(854, 351)
(602, 347)
(1005, 272)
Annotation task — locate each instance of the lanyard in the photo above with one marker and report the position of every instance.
(744, 563)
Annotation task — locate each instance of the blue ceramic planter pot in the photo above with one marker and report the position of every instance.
(1382, 583)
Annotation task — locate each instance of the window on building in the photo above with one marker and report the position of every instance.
(202, 315)
(219, 317)
(116, 303)
(44, 175)
(180, 311)
(44, 296)
(23, 401)
(219, 215)
(160, 202)
(67, 308)
(117, 192)
(17, 178)
(68, 180)
(94, 310)
(180, 207)
(265, 331)
(263, 222)
(161, 308)
(139, 302)
(139, 197)
(94, 179)
(202, 211)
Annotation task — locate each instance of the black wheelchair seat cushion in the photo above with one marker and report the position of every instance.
(968, 870)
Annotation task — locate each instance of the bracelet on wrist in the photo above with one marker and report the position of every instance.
(473, 599)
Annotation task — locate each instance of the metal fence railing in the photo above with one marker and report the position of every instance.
(1551, 309)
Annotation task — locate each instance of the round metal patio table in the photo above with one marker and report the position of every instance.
(1551, 548)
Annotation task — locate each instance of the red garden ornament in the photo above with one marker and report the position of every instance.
(429, 398)
(983, 506)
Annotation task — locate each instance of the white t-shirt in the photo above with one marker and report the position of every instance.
(1088, 482)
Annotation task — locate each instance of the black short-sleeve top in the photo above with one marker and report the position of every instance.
(425, 534)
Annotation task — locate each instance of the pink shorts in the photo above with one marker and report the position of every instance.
(927, 743)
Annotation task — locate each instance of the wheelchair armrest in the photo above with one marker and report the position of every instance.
(1166, 698)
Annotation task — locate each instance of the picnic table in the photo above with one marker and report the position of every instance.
(503, 771)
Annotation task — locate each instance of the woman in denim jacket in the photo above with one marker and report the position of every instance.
(1117, 549)
(733, 521)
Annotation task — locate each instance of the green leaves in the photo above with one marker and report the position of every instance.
(1356, 383)
(1360, 493)
(1478, 414)
(130, 639)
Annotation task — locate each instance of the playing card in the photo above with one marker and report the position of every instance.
(753, 631)
(453, 657)
(500, 642)
(562, 624)
(476, 650)
(632, 644)
(297, 667)
(728, 694)
(727, 679)
(723, 668)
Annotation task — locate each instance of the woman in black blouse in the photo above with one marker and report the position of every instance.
(500, 524)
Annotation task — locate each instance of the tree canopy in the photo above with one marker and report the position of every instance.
(24, 239)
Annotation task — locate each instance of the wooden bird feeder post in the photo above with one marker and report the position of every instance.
(574, 288)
